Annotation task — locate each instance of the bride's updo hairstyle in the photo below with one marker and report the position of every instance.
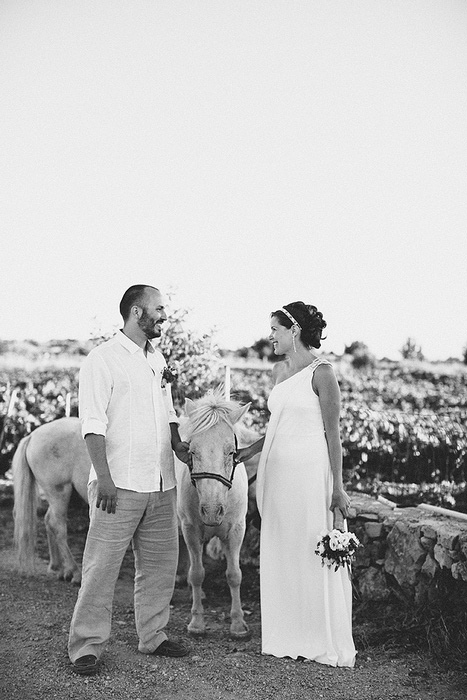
(309, 319)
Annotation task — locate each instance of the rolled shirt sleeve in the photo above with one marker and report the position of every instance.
(173, 418)
(95, 390)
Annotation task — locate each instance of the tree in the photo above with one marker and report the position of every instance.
(411, 351)
(362, 358)
(243, 353)
(356, 347)
(195, 357)
(263, 348)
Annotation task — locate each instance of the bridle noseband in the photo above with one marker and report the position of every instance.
(196, 476)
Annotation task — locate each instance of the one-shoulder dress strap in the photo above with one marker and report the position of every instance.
(319, 361)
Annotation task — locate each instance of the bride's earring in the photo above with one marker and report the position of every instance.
(293, 342)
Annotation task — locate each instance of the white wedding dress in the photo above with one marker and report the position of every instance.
(306, 609)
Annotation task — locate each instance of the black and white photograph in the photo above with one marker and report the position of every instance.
(233, 349)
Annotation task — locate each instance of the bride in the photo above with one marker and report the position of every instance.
(306, 609)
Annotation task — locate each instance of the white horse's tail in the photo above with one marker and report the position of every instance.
(25, 508)
(214, 548)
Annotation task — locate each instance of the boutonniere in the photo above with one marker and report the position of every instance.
(169, 375)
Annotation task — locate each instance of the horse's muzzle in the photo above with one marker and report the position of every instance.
(212, 515)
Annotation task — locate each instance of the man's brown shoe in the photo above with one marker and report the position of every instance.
(170, 649)
(86, 665)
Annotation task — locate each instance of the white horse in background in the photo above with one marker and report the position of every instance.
(212, 500)
(49, 462)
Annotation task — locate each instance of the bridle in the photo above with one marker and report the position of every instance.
(196, 476)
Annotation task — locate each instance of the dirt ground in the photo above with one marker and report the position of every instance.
(36, 611)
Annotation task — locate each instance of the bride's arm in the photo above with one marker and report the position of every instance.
(246, 453)
(326, 386)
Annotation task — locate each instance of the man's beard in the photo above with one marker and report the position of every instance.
(148, 325)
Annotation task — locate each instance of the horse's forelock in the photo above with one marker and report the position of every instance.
(209, 411)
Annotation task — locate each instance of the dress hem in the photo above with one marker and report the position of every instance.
(334, 664)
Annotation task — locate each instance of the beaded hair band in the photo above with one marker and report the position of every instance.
(290, 317)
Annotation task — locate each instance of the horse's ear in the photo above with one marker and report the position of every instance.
(189, 406)
(239, 413)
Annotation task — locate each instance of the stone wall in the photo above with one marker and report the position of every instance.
(405, 551)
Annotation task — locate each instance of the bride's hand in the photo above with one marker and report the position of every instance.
(338, 521)
(341, 501)
(244, 454)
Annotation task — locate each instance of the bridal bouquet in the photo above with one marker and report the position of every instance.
(337, 548)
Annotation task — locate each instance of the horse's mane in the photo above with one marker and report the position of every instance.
(210, 410)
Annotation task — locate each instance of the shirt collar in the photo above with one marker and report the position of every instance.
(127, 343)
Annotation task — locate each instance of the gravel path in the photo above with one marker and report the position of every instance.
(36, 611)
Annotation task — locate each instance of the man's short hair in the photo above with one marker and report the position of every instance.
(133, 295)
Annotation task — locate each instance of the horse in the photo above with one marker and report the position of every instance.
(50, 462)
(212, 500)
(53, 458)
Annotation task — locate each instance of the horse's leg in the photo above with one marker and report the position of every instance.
(194, 543)
(55, 562)
(232, 544)
(62, 561)
(183, 562)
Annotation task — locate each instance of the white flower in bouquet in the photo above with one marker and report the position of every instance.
(337, 548)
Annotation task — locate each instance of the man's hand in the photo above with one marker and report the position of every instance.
(106, 494)
(182, 451)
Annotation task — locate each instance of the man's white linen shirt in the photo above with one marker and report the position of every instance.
(122, 398)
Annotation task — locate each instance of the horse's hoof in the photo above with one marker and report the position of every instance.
(72, 576)
(245, 635)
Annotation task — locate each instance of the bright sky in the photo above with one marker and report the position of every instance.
(243, 153)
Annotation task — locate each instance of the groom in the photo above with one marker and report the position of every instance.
(130, 428)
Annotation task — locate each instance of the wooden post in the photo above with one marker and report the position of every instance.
(227, 382)
(12, 402)
(387, 502)
(68, 405)
(443, 511)
(9, 413)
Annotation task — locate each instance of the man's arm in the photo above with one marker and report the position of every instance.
(181, 448)
(106, 489)
(95, 389)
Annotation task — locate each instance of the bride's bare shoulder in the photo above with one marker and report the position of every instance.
(279, 371)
